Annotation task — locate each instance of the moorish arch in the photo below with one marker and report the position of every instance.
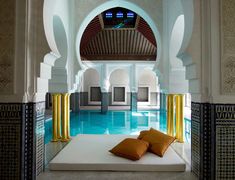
(177, 80)
(119, 81)
(148, 77)
(112, 4)
(52, 8)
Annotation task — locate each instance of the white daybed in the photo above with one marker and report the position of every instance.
(91, 152)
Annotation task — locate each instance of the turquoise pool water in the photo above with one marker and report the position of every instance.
(116, 122)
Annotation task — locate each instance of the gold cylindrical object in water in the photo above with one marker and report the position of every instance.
(64, 118)
(68, 116)
(170, 114)
(54, 118)
(59, 116)
(180, 118)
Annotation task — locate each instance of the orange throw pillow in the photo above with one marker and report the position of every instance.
(142, 134)
(158, 141)
(130, 148)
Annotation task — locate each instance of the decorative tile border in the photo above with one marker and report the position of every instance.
(195, 138)
(28, 141)
(40, 111)
(202, 164)
(206, 165)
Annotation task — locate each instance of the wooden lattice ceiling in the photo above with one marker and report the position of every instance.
(99, 43)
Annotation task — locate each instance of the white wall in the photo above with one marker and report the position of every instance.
(148, 78)
(90, 78)
(119, 77)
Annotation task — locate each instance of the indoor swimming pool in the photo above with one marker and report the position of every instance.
(116, 122)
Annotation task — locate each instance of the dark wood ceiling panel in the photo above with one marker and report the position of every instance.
(91, 30)
(123, 43)
(137, 43)
(145, 29)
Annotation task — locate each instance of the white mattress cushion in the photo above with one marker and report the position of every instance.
(91, 152)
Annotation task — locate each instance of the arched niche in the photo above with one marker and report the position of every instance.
(147, 77)
(119, 87)
(91, 92)
(90, 78)
(147, 88)
(119, 77)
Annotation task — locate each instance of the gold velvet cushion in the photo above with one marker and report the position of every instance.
(142, 134)
(158, 141)
(130, 148)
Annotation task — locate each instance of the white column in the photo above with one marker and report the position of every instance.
(133, 79)
(104, 81)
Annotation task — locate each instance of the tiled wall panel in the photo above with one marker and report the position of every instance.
(213, 141)
(225, 141)
(10, 143)
(22, 140)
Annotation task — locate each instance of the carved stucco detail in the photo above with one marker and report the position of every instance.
(228, 46)
(229, 75)
(228, 19)
(7, 31)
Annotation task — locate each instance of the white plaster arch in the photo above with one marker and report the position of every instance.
(177, 81)
(53, 8)
(91, 77)
(112, 68)
(60, 40)
(176, 40)
(146, 68)
(188, 11)
(112, 4)
(176, 9)
(53, 14)
(48, 13)
(56, 28)
(146, 77)
(159, 75)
